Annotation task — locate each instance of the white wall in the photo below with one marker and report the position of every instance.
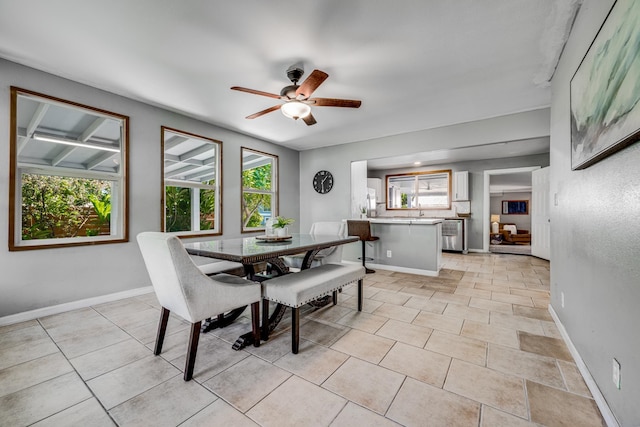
(358, 188)
(34, 279)
(595, 240)
(337, 159)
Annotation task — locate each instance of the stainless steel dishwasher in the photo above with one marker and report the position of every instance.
(454, 235)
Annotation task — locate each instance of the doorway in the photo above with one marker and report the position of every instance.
(486, 216)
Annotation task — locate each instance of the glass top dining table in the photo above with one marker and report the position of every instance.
(251, 250)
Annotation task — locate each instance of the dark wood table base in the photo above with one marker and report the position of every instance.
(222, 320)
(274, 267)
(278, 267)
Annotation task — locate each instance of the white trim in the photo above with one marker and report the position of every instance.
(73, 305)
(421, 272)
(606, 412)
(187, 184)
(486, 218)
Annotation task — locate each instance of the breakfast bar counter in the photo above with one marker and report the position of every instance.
(409, 245)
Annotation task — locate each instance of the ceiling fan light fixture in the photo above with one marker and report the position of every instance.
(295, 110)
(297, 98)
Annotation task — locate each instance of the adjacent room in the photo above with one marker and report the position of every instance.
(320, 213)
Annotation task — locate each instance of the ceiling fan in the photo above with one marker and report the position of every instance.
(297, 98)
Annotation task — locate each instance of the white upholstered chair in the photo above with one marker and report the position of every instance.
(185, 290)
(324, 256)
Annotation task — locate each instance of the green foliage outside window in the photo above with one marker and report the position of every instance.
(102, 209)
(260, 179)
(58, 207)
(178, 208)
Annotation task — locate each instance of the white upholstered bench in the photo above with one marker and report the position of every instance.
(297, 289)
(211, 266)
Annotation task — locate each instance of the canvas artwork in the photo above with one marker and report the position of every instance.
(605, 90)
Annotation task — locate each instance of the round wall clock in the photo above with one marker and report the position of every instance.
(323, 182)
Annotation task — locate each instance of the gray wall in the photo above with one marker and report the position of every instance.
(40, 278)
(476, 170)
(596, 240)
(522, 222)
(337, 159)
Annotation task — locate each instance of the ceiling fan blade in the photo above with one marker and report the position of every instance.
(309, 119)
(256, 92)
(263, 112)
(312, 82)
(333, 102)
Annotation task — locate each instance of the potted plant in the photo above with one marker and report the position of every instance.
(363, 213)
(280, 225)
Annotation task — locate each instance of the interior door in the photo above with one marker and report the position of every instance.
(540, 217)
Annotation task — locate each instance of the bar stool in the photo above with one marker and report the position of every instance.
(362, 229)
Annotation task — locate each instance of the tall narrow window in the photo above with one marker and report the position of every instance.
(69, 173)
(191, 183)
(259, 189)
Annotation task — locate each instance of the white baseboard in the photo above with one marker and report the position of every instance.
(606, 412)
(74, 305)
(418, 271)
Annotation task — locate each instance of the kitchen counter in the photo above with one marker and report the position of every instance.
(408, 220)
(408, 245)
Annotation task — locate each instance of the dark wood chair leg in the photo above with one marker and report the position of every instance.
(295, 329)
(162, 328)
(255, 323)
(265, 319)
(335, 297)
(364, 257)
(360, 294)
(192, 350)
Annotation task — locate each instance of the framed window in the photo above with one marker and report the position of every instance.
(192, 182)
(420, 190)
(68, 173)
(259, 189)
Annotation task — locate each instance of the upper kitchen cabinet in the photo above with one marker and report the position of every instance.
(461, 186)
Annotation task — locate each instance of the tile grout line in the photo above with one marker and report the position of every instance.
(487, 350)
(78, 375)
(201, 384)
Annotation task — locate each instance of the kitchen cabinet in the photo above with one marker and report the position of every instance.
(460, 186)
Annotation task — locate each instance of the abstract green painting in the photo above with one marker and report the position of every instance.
(605, 90)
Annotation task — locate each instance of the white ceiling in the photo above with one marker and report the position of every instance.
(499, 150)
(519, 182)
(414, 64)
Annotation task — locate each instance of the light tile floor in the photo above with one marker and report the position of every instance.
(475, 346)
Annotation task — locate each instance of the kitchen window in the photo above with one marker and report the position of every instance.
(419, 190)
